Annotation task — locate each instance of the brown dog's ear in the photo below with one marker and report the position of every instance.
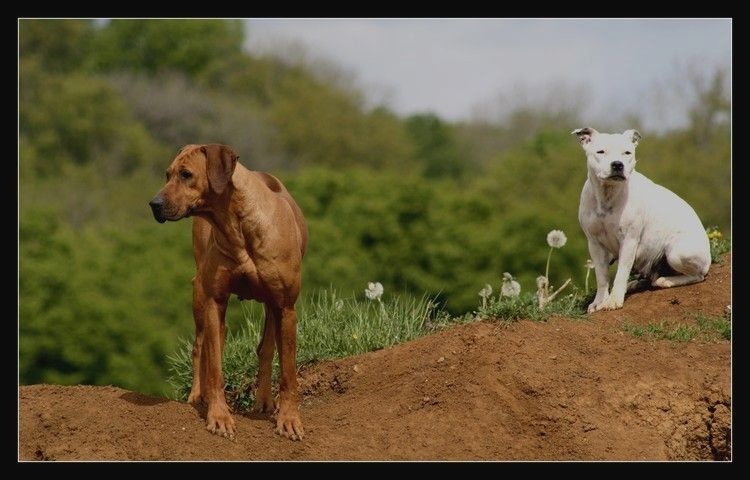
(220, 167)
(584, 134)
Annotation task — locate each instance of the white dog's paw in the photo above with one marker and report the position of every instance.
(592, 307)
(609, 303)
(663, 282)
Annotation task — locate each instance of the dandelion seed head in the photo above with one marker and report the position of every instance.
(589, 264)
(486, 291)
(556, 239)
(510, 287)
(374, 290)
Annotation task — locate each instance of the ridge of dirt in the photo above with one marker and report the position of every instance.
(557, 390)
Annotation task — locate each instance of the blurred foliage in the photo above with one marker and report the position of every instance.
(75, 120)
(420, 204)
(435, 146)
(195, 48)
(58, 45)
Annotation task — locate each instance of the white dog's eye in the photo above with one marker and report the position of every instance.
(627, 153)
(600, 151)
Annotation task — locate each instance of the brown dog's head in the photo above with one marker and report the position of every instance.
(197, 173)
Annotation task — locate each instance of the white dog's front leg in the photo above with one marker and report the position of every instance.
(600, 257)
(624, 265)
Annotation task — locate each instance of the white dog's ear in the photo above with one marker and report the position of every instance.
(633, 134)
(584, 134)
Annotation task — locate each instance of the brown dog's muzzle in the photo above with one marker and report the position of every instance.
(157, 207)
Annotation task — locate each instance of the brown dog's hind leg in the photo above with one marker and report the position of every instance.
(288, 421)
(263, 398)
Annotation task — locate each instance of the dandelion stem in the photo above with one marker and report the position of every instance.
(588, 272)
(552, 297)
(546, 271)
(383, 311)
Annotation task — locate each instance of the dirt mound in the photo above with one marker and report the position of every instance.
(563, 389)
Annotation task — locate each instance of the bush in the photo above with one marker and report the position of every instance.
(101, 306)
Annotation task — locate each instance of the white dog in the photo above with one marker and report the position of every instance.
(642, 225)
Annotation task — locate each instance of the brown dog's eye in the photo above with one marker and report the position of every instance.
(185, 175)
(627, 153)
(600, 151)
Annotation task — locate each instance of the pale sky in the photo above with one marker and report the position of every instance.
(453, 66)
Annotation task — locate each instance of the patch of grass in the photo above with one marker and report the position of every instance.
(525, 306)
(719, 325)
(333, 327)
(240, 366)
(329, 326)
(718, 243)
(707, 328)
(662, 331)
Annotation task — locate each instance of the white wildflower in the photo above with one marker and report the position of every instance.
(542, 290)
(589, 264)
(374, 291)
(338, 305)
(510, 287)
(486, 291)
(556, 239)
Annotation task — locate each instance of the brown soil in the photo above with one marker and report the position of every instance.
(562, 389)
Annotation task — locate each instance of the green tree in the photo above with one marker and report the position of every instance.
(320, 125)
(78, 119)
(435, 146)
(102, 304)
(59, 45)
(150, 46)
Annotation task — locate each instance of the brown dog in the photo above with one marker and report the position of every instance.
(249, 237)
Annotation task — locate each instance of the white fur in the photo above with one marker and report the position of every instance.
(635, 221)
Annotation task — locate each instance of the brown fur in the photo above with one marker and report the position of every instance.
(249, 237)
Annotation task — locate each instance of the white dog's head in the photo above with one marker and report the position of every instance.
(610, 156)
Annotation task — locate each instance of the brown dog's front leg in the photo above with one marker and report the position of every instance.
(288, 422)
(198, 314)
(218, 419)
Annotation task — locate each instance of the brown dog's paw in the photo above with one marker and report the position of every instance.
(290, 426)
(264, 403)
(220, 421)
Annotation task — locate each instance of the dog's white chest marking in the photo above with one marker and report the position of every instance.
(606, 230)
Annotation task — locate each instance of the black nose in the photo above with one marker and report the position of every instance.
(156, 202)
(617, 166)
(157, 205)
